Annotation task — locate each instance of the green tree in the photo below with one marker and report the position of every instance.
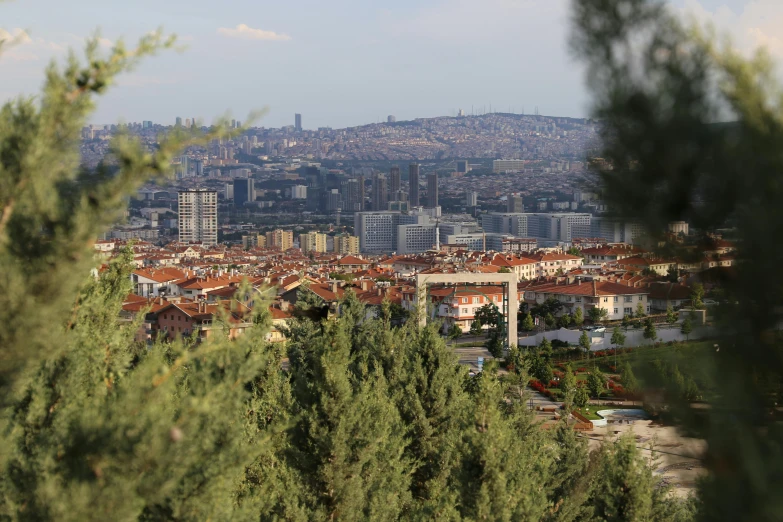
(618, 340)
(697, 296)
(568, 386)
(584, 343)
(597, 314)
(565, 320)
(475, 327)
(627, 320)
(541, 369)
(504, 270)
(596, 382)
(550, 321)
(649, 330)
(527, 324)
(628, 378)
(575, 252)
(581, 397)
(640, 311)
(455, 331)
(671, 317)
(545, 348)
(578, 317)
(686, 328)
(495, 343)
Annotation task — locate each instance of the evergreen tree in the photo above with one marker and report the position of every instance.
(596, 382)
(687, 328)
(568, 385)
(671, 317)
(649, 330)
(581, 397)
(579, 318)
(527, 324)
(584, 343)
(565, 320)
(640, 312)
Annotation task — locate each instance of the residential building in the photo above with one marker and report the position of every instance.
(471, 199)
(554, 263)
(380, 196)
(299, 192)
(253, 240)
(312, 242)
(280, 239)
(617, 299)
(345, 244)
(297, 122)
(197, 221)
(395, 184)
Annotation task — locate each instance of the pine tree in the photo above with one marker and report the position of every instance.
(527, 324)
(579, 318)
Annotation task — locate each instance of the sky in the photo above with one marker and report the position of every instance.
(339, 63)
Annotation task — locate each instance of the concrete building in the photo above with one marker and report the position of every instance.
(615, 231)
(508, 165)
(394, 182)
(471, 199)
(280, 239)
(312, 242)
(463, 167)
(543, 226)
(412, 239)
(432, 189)
(297, 122)
(515, 204)
(253, 240)
(299, 192)
(345, 244)
(377, 231)
(380, 193)
(244, 191)
(413, 180)
(197, 221)
(391, 119)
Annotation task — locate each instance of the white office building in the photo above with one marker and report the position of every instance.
(508, 165)
(412, 239)
(299, 192)
(197, 220)
(377, 231)
(562, 227)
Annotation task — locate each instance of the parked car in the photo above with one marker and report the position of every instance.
(599, 329)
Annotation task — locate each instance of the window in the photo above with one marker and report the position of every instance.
(640, 297)
(628, 298)
(464, 300)
(464, 310)
(606, 299)
(627, 310)
(568, 299)
(164, 316)
(648, 309)
(615, 311)
(476, 300)
(616, 299)
(578, 299)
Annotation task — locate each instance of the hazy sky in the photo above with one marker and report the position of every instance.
(338, 62)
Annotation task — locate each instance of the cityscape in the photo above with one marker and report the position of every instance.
(374, 298)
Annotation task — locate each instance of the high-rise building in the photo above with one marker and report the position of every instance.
(312, 242)
(229, 194)
(507, 165)
(394, 181)
(462, 166)
(345, 244)
(413, 180)
(197, 216)
(178, 122)
(515, 204)
(380, 195)
(244, 191)
(562, 227)
(471, 198)
(377, 231)
(297, 122)
(391, 118)
(432, 189)
(280, 239)
(298, 192)
(412, 239)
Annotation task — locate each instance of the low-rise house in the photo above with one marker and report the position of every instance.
(664, 295)
(201, 319)
(617, 299)
(150, 282)
(554, 263)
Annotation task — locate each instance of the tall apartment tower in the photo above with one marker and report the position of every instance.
(394, 181)
(380, 194)
(515, 204)
(298, 122)
(198, 216)
(432, 189)
(413, 180)
(280, 239)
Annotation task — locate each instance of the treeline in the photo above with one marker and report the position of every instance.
(369, 422)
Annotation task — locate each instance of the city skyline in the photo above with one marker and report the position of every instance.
(275, 51)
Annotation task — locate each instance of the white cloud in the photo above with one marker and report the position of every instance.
(245, 32)
(757, 25)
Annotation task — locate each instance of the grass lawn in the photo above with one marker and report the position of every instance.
(693, 359)
(588, 412)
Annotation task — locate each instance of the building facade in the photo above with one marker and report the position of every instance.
(197, 221)
(413, 180)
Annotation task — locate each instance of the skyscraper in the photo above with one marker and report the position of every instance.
(462, 166)
(380, 195)
(298, 122)
(178, 122)
(515, 204)
(413, 180)
(312, 242)
(391, 118)
(198, 216)
(280, 239)
(244, 191)
(432, 189)
(394, 181)
(471, 198)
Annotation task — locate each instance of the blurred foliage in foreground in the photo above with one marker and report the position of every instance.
(660, 91)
